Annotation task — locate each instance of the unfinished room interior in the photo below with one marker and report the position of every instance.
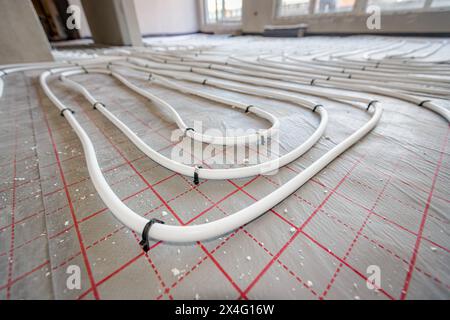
(224, 150)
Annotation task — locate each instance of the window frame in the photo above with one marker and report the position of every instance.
(358, 9)
(219, 22)
(277, 4)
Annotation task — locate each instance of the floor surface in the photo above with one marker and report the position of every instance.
(380, 205)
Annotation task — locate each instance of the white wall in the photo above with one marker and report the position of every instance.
(158, 17)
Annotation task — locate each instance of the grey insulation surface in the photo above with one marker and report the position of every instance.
(365, 209)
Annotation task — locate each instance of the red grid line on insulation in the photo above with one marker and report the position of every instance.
(13, 211)
(381, 246)
(424, 219)
(391, 222)
(72, 212)
(372, 212)
(87, 178)
(309, 237)
(16, 222)
(215, 204)
(300, 229)
(315, 241)
(358, 234)
(9, 285)
(292, 273)
(167, 206)
(155, 269)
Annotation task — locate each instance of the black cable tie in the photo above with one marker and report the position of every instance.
(371, 103)
(188, 129)
(316, 106)
(312, 82)
(248, 108)
(204, 81)
(3, 73)
(350, 76)
(263, 140)
(329, 78)
(377, 65)
(108, 66)
(65, 109)
(181, 59)
(84, 69)
(423, 102)
(363, 68)
(210, 66)
(196, 179)
(150, 76)
(144, 243)
(343, 70)
(94, 106)
(191, 70)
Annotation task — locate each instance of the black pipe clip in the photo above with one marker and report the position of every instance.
(371, 103)
(65, 109)
(316, 106)
(423, 102)
(145, 243)
(247, 110)
(188, 129)
(94, 106)
(196, 178)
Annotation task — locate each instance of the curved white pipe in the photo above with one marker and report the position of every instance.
(229, 223)
(209, 230)
(203, 173)
(217, 140)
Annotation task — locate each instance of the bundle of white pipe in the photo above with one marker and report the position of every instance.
(222, 226)
(208, 230)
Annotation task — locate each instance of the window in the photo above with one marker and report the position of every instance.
(440, 3)
(219, 11)
(330, 6)
(394, 5)
(291, 8)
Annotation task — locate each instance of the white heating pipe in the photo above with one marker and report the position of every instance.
(209, 230)
(203, 173)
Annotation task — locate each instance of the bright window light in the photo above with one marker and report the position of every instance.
(291, 8)
(440, 3)
(396, 5)
(220, 11)
(330, 6)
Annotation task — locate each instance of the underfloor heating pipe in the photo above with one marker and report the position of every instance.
(183, 234)
(203, 173)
